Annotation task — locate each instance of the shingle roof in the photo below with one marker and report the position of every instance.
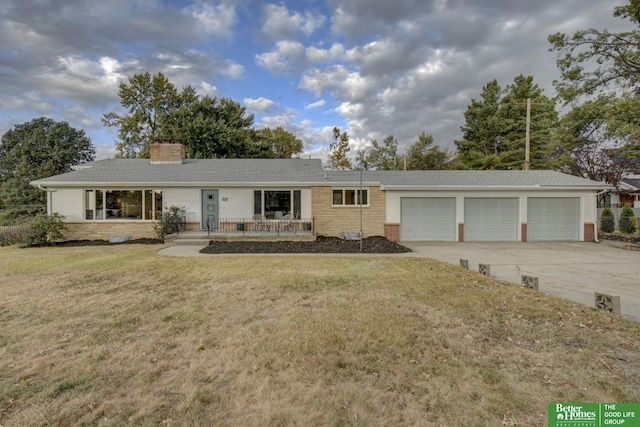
(464, 178)
(632, 182)
(231, 171)
(141, 172)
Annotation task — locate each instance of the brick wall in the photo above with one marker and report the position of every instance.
(524, 231)
(102, 230)
(460, 232)
(589, 232)
(333, 221)
(392, 232)
(167, 152)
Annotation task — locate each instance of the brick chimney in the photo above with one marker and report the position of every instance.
(167, 152)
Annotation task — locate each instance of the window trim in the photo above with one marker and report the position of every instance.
(343, 204)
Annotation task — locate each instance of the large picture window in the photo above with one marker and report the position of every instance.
(123, 204)
(275, 204)
(349, 197)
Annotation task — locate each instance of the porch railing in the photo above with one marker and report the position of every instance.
(261, 226)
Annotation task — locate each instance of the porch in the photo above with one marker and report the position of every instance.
(256, 229)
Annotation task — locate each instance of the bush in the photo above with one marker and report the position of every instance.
(43, 230)
(607, 221)
(169, 223)
(627, 221)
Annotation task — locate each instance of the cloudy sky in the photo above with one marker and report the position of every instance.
(370, 67)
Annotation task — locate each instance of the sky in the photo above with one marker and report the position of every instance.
(372, 68)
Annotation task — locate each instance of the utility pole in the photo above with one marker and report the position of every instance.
(527, 148)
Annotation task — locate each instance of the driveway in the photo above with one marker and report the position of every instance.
(574, 271)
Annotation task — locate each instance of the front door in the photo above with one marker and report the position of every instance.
(209, 209)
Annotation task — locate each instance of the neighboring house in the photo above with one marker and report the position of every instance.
(125, 196)
(628, 192)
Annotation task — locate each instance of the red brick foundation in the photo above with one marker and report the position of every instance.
(589, 232)
(392, 232)
(524, 231)
(460, 232)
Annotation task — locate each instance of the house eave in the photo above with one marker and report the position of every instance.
(491, 188)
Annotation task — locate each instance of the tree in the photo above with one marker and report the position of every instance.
(423, 155)
(512, 117)
(592, 60)
(597, 139)
(381, 156)
(607, 221)
(338, 151)
(481, 142)
(495, 127)
(279, 143)
(149, 100)
(34, 150)
(211, 127)
(627, 223)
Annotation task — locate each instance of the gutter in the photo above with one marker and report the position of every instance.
(49, 202)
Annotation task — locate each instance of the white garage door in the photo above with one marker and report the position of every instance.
(553, 218)
(427, 218)
(490, 219)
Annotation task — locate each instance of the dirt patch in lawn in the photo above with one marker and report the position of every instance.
(326, 245)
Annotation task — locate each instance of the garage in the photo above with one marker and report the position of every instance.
(490, 219)
(427, 219)
(553, 218)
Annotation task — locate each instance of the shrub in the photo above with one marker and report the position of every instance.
(607, 221)
(169, 222)
(627, 221)
(43, 230)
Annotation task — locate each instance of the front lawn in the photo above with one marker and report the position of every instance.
(118, 335)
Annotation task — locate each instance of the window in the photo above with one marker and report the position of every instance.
(349, 197)
(277, 203)
(123, 204)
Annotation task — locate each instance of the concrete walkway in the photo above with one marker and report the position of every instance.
(574, 271)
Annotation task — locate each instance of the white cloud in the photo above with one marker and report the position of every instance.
(207, 89)
(280, 23)
(338, 81)
(315, 105)
(217, 20)
(284, 58)
(260, 104)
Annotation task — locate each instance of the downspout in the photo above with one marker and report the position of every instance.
(49, 201)
(595, 227)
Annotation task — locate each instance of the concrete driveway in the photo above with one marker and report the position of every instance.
(574, 271)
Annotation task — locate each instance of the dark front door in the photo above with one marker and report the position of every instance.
(209, 209)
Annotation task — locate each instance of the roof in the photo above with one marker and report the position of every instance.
(630, 184)
(471, 179)
(298, 172)
(190, 172)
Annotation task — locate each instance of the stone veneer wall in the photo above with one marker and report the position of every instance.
(102, 230)
(334, 220)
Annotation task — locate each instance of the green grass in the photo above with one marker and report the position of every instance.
(119, 335)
